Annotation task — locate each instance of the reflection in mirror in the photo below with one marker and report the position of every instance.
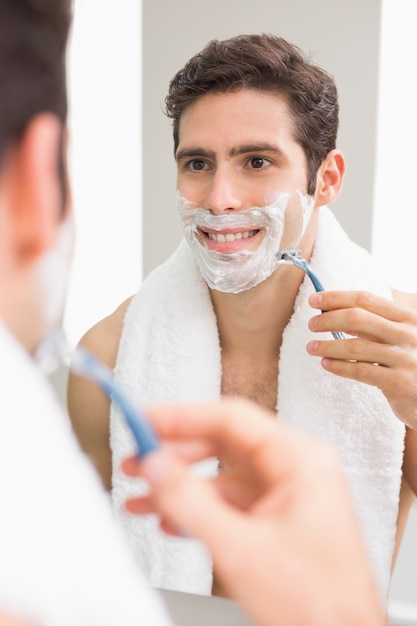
(326, 31)
(224, 138)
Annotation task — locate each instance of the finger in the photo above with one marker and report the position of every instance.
(183, 500)
(131, 466)
(364, 351)
(171, 529)
(235, 430)
(396, 384)
(238, 487)
(190, 451)
(362, 323)
(144, 505)
(352, 322)
(140, 505)
(236, 493)
(383, 307)
(369, 373)
(206, 421)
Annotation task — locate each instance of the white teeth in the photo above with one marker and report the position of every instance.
(220, 238)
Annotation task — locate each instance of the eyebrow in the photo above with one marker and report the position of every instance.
(237, 151)
(193, 152)
(255, 147)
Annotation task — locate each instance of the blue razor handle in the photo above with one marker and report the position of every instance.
(84, 363)
(294, 257)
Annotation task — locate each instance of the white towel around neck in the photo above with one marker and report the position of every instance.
(170, 350)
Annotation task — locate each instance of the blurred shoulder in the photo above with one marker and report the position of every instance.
(103, 338)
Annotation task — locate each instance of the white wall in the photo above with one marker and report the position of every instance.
(394, 215)
(104, 83)
(395, 210)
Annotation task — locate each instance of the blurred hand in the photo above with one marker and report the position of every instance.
(382, 351)
(278, 523)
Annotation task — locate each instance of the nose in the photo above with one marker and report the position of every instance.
(225, 193)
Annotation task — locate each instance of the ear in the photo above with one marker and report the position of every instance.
(35, 198)
(330, 178)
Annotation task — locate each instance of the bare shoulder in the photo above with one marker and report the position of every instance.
(409, 299)
(88, 407)
(410, 459)
(408, 485)
(103, 338)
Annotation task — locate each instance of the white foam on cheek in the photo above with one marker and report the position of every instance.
(239, 271)
(51, 273)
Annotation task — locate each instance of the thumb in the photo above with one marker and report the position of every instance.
(192, 504)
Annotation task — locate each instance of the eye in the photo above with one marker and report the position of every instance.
(197, 165)
(258, 163)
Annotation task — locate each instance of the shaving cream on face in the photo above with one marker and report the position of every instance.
(51, 273)
(282, 224)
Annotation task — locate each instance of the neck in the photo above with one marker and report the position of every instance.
(251, 323)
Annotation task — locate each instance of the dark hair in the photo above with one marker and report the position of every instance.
(33, 37)
(266, 63)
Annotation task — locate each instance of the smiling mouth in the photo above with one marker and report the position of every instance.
(228, 237)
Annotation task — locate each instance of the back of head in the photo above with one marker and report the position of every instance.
(33, 37)
(267, 63)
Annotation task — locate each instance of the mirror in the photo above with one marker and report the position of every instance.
(343, 37)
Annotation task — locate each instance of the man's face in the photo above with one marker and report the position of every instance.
(237, 151)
